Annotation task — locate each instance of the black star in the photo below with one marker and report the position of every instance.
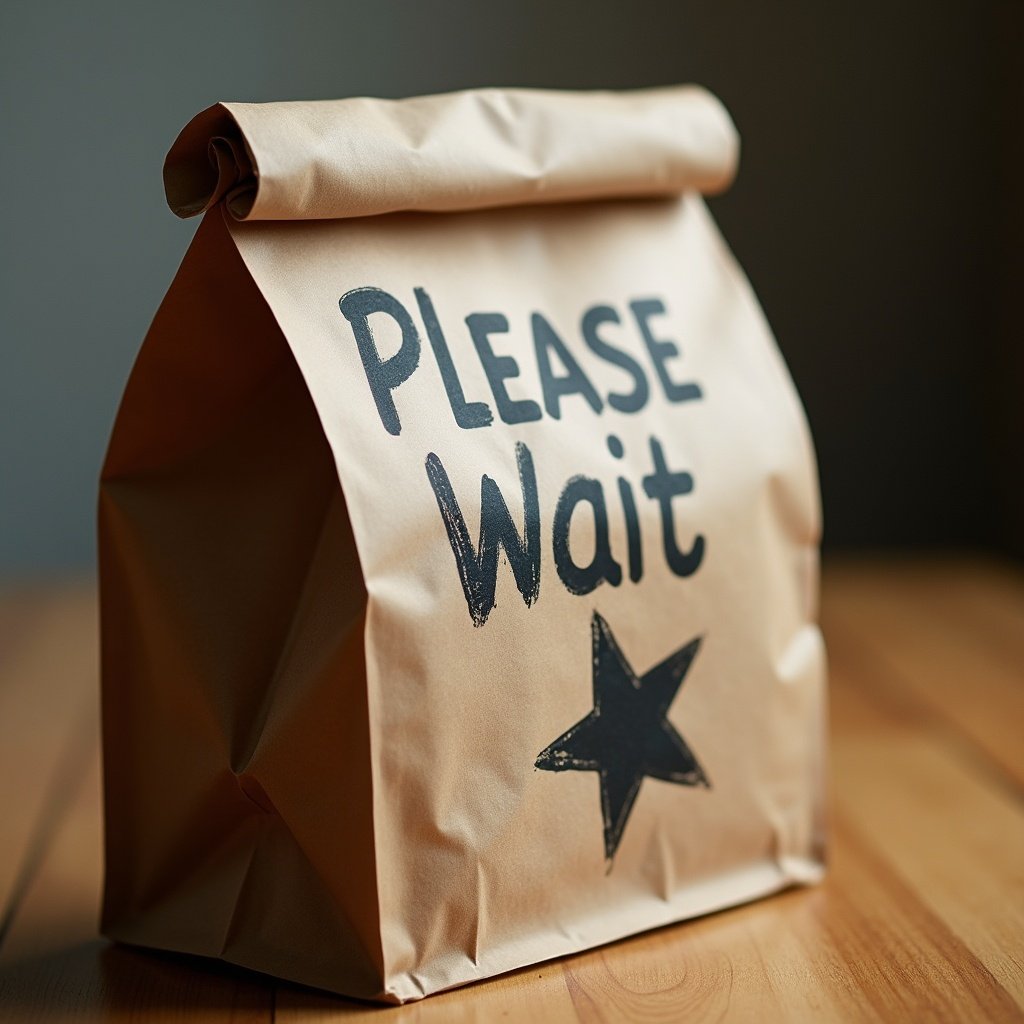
(628, 734)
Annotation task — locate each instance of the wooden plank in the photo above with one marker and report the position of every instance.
(55, 967)
(951, 642)
(945, 828)
(53, 964)
(861, 947)
(922, 915)
(48, 657)
(902, 929)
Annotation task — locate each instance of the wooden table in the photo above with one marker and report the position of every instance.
(921, 918)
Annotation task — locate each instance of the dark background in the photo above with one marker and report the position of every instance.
(878, 213)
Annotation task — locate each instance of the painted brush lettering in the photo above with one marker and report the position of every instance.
(477, 566)
(567, 390)
(566, 387)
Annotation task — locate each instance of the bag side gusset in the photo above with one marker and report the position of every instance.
(224, 542)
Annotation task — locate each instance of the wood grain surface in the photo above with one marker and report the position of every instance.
(921, 917)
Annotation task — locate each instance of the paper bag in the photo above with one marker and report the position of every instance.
(458, 547)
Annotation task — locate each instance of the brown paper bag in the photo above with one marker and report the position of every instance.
(458, 547)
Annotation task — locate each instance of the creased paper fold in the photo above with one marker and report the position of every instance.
(458, 151)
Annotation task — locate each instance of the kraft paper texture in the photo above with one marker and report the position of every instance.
(458, 547)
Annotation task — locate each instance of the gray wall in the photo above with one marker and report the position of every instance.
(867, 212)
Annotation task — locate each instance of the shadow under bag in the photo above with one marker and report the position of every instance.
(458, 541)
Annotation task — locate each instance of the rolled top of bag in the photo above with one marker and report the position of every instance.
(458, 151)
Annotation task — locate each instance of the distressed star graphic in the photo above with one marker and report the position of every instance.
(627, 736)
